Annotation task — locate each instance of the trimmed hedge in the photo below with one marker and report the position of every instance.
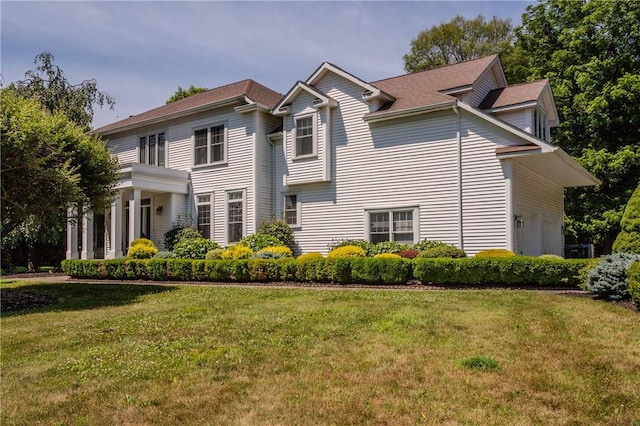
(520, 270)
(634, 283)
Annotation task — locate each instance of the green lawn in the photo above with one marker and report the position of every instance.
(143, 355)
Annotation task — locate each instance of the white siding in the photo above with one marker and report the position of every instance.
(483, 187)
(481, 88)
(540, 204)
(408, 163)
(516, 118)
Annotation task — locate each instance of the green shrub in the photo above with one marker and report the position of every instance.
(347, 251)
(216, 253)
(259, 241)
(157, 268)
(310, 255)
(550, 256)
(194, 248)
(634, 283)
(181, 231)
(311, 269)
(275, 252)
(443, 251)
(197, 270)
(338, 243)
(264, 270)
(520, 270)
(427, 244)
(136, 269)
(141, 248)
(179, 269)
(163, 254)
(387, 256)
(628, 240)
(386, 247)
(237, 251)
(495, 253)
(279, 229)
(583, 273)
(381, 270)
(115, 269)
(609, 278)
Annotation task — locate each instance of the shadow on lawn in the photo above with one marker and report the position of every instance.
(71, 296)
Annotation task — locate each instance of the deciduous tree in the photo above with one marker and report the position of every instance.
(589, 51)
(181, 93)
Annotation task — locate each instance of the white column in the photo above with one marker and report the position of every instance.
(72, 233)
(87, 235)
(134, 215)
(115, 230)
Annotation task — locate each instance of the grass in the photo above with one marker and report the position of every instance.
(127, 354)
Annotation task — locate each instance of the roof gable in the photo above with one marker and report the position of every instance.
(522, 96)
(436, 85)
(247, 91)
(322, 99)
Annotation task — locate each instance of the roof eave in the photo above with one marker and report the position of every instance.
(375, 117)
(183, 113)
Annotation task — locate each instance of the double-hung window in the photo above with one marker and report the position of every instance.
(291, 210)
(210, 145)
(392, 225)
(203, 204)
(235, 216)
(152, 149)
(305, 136)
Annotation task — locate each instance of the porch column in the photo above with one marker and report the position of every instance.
(134, 215)
(115, 230)
(72, 233)
(87, 235)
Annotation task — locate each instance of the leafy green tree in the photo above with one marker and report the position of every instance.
(589, 51)
(463, 39)
(181, 93)
(628, 240)
(48, 162)
(48, 84)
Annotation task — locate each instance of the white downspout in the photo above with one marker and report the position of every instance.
(327, 145)
(459, 161)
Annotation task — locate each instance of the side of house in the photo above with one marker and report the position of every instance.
(452, 154)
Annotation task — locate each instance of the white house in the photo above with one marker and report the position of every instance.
(452, 154)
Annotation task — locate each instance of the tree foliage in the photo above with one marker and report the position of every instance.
(460, 40)
(48, 84)
(181, 93)
(589, 51)
(48, 162)
(628, 240)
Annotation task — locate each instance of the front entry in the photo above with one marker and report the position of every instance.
(145, 220)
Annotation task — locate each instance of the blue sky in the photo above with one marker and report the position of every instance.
(140, 52)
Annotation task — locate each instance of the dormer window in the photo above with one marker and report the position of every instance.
(305, 137)
(540, 125)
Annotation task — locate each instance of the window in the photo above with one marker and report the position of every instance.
(540, 125)
(203, 204)
(392, 225)
(235, 216)
(291, 210)
(210, 145)
(152, 149)
(304, 137)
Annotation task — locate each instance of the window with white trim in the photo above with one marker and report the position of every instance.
(203, 208)
(291, 209)
(210, 145)
(151, 149)
(235, 216)
(392, 225)
(305, 136)
(540, 125)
